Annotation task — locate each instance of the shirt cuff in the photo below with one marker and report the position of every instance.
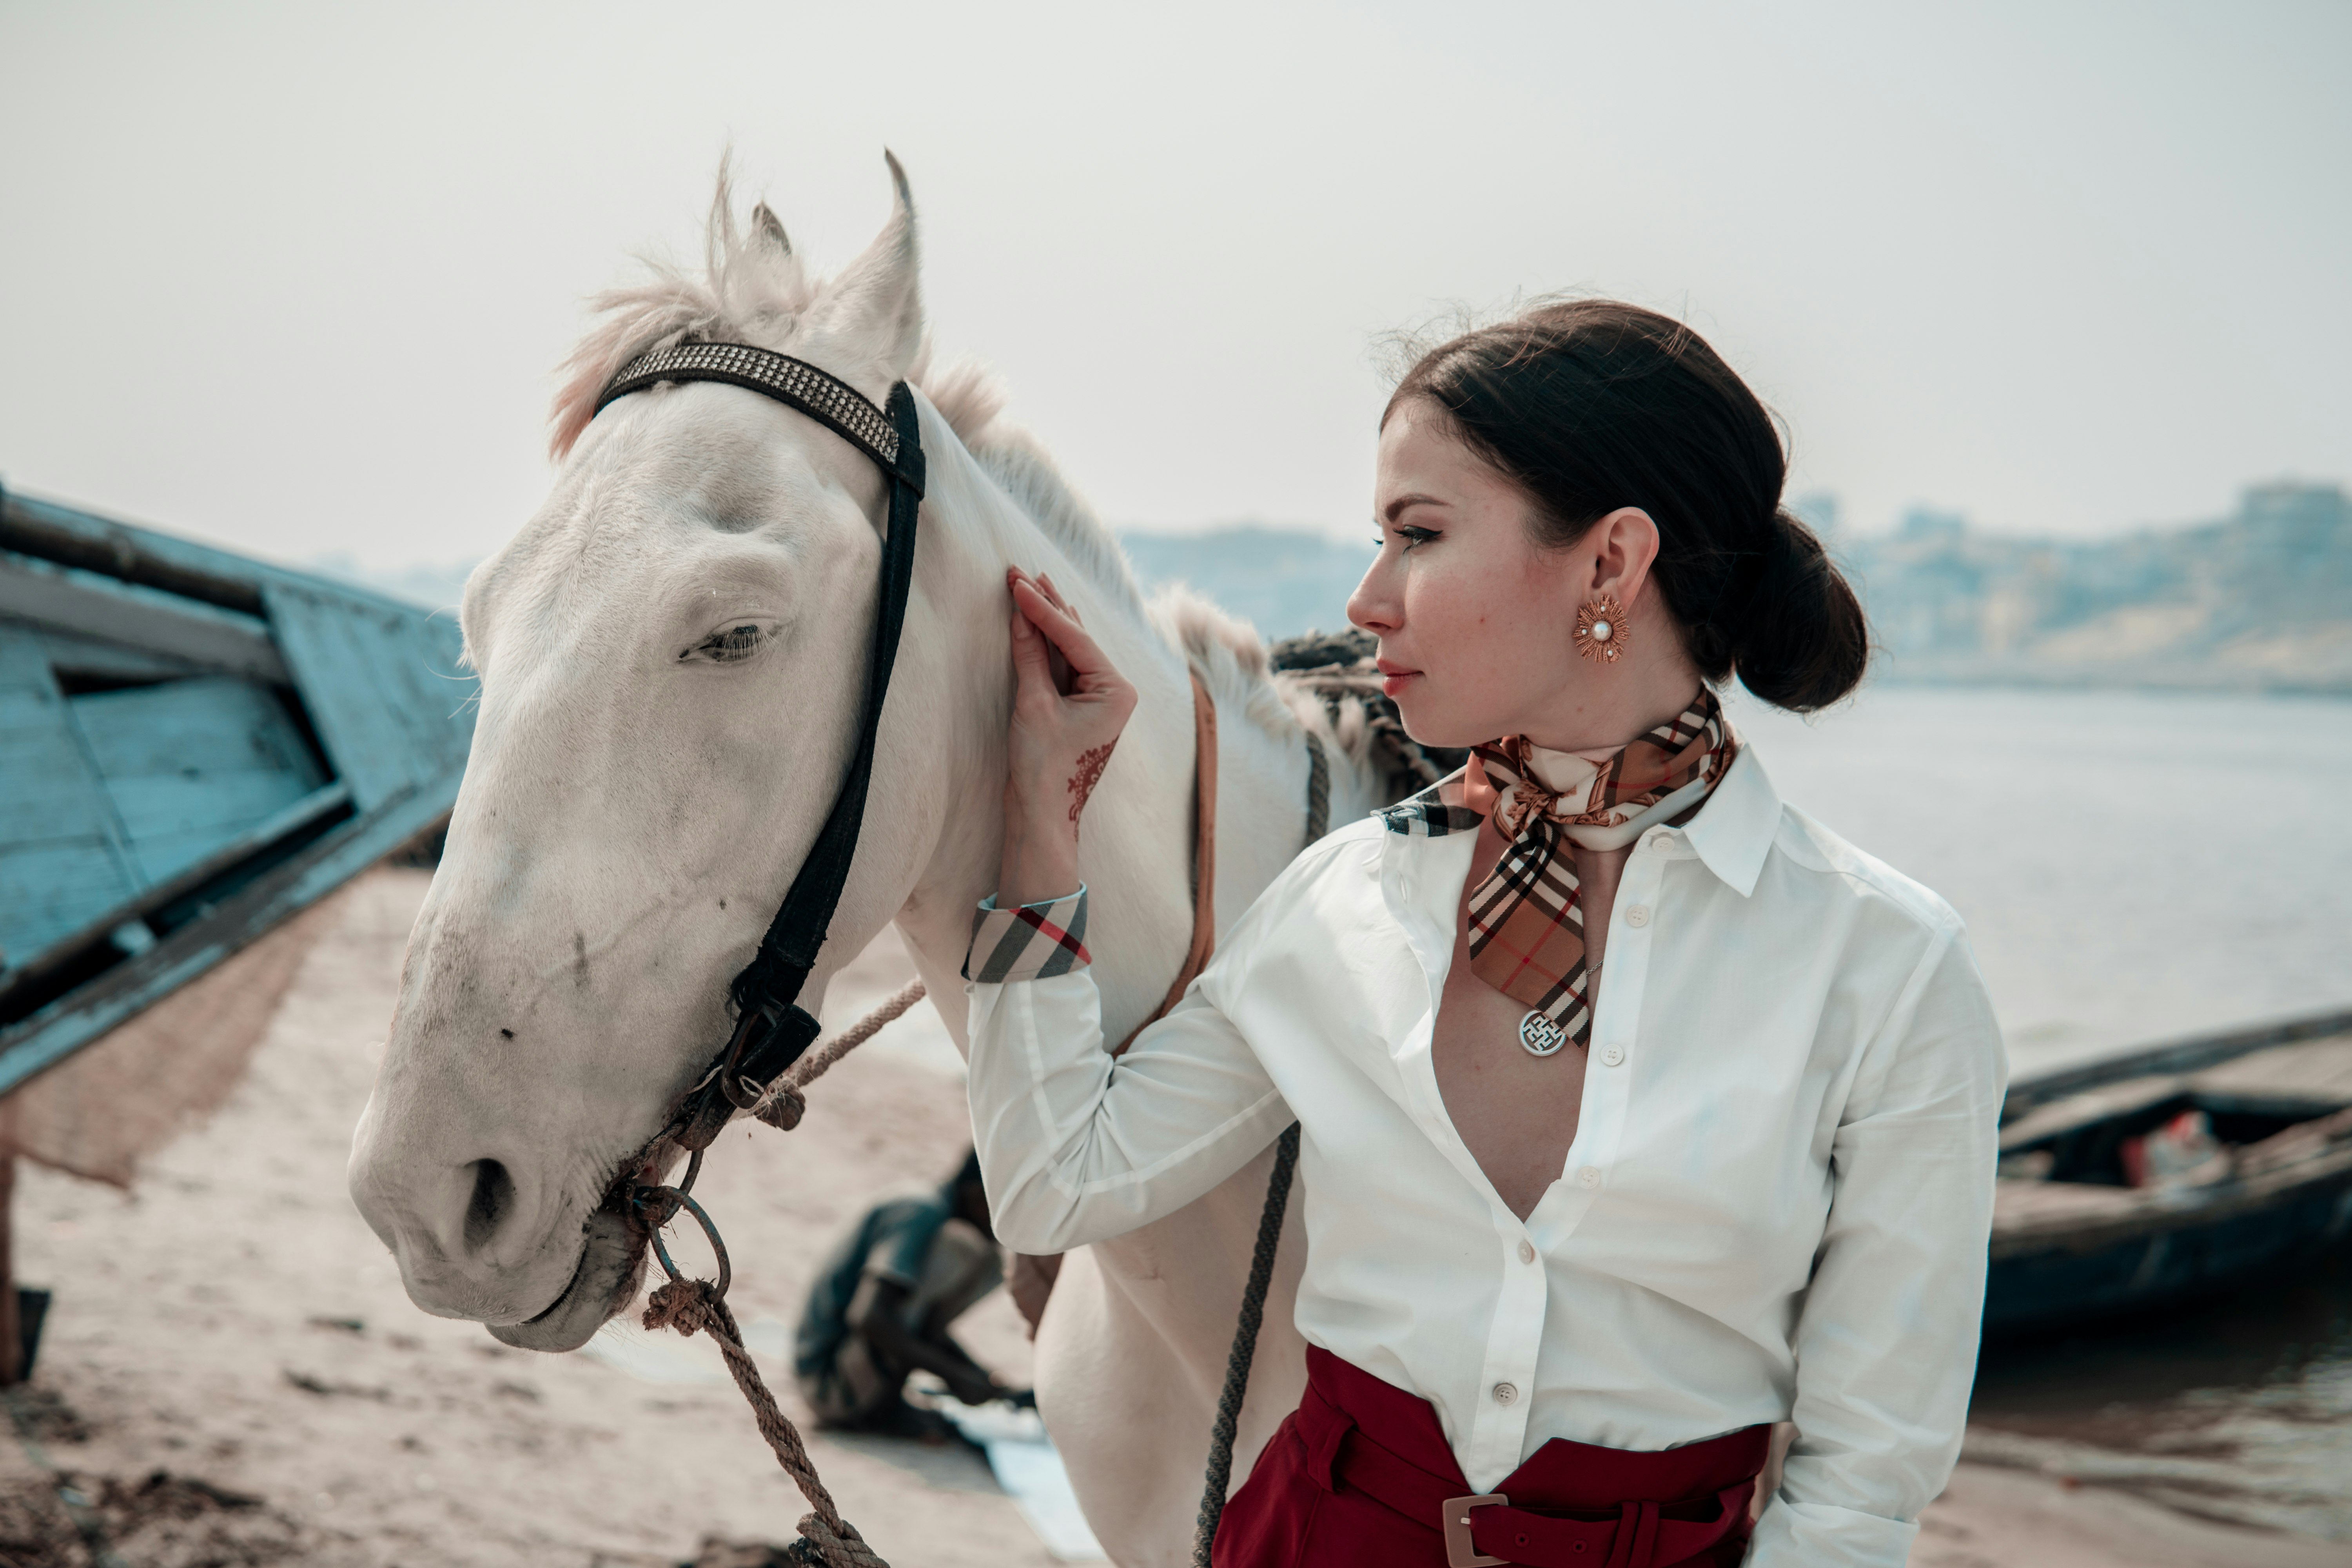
(1820, 1535)
(1035, 941)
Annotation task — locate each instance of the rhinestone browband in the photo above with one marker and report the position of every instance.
(830, 402)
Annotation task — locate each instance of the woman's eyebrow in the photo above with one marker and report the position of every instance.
(1395, 509)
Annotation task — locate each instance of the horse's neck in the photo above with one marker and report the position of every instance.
(1136, 850)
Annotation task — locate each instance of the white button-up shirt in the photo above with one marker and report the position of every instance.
(1775, 1209)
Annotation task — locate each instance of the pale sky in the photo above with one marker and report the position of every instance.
(294, 278)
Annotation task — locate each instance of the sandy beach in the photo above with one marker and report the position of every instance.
(232, 1374)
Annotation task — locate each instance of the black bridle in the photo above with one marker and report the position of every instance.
(771, 1028)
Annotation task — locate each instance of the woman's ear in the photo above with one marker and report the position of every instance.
(1624, 545)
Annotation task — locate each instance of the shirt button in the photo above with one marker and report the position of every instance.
(1504, 1394)
(1639, 915)
(1612, 1055)
(1527, 1252)
(1590, 1176)
(1663, 841)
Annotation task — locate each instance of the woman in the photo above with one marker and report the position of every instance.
(1639, 1111)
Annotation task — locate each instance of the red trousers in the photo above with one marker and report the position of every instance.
(1360, 1475)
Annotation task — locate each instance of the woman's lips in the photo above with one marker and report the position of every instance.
(1393, 678)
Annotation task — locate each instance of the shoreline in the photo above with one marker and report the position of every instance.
(1998, 1516)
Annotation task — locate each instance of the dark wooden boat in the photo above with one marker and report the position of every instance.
(193, 748)
(2074, 1238)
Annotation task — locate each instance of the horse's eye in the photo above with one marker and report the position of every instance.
(728, 646)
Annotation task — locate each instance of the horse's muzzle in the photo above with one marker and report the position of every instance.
(612, 1266)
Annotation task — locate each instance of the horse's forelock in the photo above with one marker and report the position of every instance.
(752, 289)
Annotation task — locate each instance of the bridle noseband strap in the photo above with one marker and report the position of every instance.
(772, 1029)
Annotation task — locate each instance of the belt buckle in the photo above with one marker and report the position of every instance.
(1459, 1552)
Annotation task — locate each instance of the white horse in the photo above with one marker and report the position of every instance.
(670, 656)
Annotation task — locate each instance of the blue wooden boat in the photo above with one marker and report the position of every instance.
(2073, 1238)
(194, 747)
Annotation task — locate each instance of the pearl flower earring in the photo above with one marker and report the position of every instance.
(1601, 629)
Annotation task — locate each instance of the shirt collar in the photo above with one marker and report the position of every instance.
(1732, 833)
(1734, 830)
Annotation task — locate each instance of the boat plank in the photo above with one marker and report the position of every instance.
(2019, 1203)
(63, 861)
(108, 660)
(371, 684)
(2316, 1070)
(2079, 1215)
(53, 889)
(66, 599)
(2092, 1105)
(191, 765)
(51, 793)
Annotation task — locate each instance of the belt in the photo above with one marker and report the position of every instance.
(1486, 1529)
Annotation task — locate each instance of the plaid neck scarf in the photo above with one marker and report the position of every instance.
(1527, 918)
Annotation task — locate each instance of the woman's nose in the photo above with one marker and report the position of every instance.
(1371, 607)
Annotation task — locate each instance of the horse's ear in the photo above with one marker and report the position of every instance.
(873, 312)
(769, 230)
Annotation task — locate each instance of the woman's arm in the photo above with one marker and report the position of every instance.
(1886, 1335)
(1077, 1145)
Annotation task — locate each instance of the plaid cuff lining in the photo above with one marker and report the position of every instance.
(1035, 941)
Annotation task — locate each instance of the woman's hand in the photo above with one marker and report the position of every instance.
(1068, 708)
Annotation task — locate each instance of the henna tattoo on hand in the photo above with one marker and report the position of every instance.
(1089, 773)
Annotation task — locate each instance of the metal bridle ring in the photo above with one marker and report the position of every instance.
(643, 1196)
(746, 1097)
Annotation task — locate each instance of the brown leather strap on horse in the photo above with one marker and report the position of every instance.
(1204, 859)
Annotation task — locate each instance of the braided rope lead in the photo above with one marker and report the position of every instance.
(783, 1106)
(687, 1305)
(1318, 789)
(1269, 1237)
(1237, 1365)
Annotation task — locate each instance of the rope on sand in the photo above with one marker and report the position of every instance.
(687, 1305)
(697, 1305)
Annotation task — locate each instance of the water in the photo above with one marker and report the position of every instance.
(2133, 866)
(2238, 1409)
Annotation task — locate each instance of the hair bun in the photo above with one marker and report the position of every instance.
(1800, 640)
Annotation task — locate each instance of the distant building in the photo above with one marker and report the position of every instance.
(2261, 599)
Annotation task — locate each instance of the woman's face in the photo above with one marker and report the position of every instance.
(1473, 616)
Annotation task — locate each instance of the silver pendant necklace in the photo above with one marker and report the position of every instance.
(1541, 1034)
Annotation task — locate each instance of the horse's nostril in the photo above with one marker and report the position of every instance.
(493, 1199)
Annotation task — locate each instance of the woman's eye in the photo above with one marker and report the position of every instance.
(730, 645)
(1412, 536)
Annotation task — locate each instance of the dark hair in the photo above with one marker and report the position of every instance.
(1590, 405)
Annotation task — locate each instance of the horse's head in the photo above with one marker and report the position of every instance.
(671, 657)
